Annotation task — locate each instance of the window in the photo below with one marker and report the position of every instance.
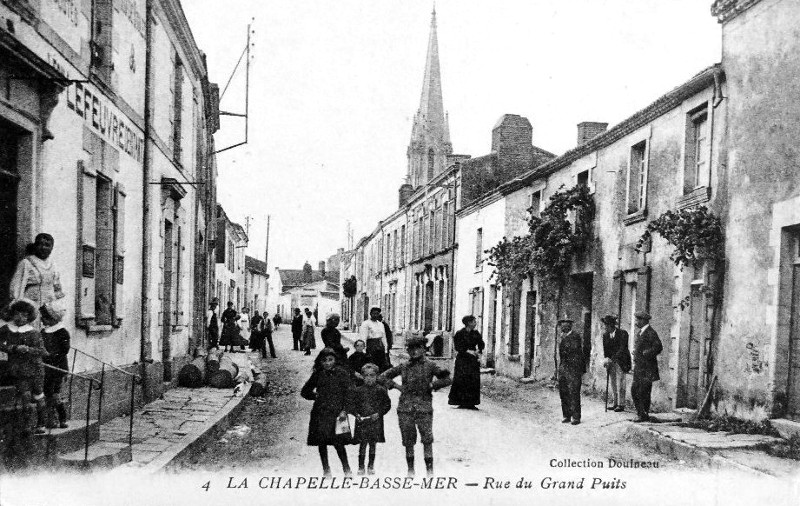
(637, 178)
(583, 178)
(479, 249)
(696, 171)
(536, 203)
(446, 224)
(231, 253)
(102, 219)
(439, 227)
(432, 231)
(396, 249)
(402, 245)
(177, 108)
(101, 45)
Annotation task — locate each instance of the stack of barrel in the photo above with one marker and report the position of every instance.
(216, 369)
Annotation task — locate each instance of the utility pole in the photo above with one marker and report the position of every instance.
(247, 226)
(266, 253)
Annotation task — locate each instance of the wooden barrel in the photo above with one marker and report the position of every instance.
(193, 374)
(225, 375)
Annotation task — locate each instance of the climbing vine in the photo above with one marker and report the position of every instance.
(350, 287)
(693, 232)
(552, 241)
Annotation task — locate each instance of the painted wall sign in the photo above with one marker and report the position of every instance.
(104, 118)
(67, 19)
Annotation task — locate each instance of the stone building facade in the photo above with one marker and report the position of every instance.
(256, 285)
(230, 266)
(106, 144)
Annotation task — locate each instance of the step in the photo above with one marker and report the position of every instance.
(60, 441)
(103, 455)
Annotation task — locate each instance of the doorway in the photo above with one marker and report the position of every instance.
(9, 184)
(166, 306)
(790, 291)
(428, 309)
(491, 329)
(531, 310)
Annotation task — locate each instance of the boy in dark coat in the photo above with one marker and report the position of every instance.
(56, 341)
(358, 359)
(328, 387)
(25, 350)
(297, 329)
(369, 403)
(420, 377)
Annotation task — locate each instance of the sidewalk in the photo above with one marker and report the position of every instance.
(166, 429)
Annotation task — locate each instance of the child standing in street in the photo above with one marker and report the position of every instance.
(56, 341)
(358, 359)
(328, 387)
(25, 350)
(415, 410)
(369, 403)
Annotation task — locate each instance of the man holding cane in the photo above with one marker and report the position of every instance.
(617, 361)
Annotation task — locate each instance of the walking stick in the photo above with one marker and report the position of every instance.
(608, 373)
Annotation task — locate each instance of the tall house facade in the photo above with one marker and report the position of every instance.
(106, 123)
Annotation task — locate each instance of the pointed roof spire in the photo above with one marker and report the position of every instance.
(431, 105)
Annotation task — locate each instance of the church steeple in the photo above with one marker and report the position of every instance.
(430, 135)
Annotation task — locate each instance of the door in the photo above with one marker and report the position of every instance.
(9, 181)
(794, 341)
(531, 306)
(166, 304)
(693, 356)
(491, 329)
(428, 310)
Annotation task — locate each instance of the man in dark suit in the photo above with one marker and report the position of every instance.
(573, 353)
(646, 348)
(297, 328)
(617, 359)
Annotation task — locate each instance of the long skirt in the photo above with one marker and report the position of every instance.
(466, 388)
(309, 341)
(370, 431)
(322, 430)
(256, 338)
(376, 354)
(229, 334)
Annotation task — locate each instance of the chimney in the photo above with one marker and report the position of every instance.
(322, 269)
(307, 274)
(512, 142)
(590, 129)
(405, 193)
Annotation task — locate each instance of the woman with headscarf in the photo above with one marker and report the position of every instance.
(466, 390)
(36, 278)
(332, 338)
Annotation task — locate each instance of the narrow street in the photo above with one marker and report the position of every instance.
(270, 435)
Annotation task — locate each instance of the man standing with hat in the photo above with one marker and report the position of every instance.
(573, 354)
(617, 360)
(645, 365)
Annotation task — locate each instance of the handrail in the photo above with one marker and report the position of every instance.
(88, 403)
(64, 371)
(123, 371)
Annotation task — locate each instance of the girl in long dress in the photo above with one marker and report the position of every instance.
(466, 389)
(328, 387)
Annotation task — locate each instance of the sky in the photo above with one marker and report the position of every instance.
(334, 86)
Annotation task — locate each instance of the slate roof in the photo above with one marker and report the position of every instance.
(255, 265)
(294, 277)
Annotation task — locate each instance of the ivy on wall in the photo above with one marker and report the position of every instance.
(349, 287)
(694, 233)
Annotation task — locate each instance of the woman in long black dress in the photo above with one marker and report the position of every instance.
(332, 338)
(229, 330)
(466, 390)
(328, 387)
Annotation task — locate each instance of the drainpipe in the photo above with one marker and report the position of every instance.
(146, 210)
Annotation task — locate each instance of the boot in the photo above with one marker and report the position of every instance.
(361, 464)
(429, 467)
(410, 462)
(62, 415)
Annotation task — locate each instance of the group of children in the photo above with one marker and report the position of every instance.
(28, 351)
(356, 387)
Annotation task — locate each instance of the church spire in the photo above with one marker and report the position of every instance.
(430, 135)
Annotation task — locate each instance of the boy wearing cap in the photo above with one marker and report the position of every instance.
(617, 360)
(573, 354)
(646, 348)
(57, 343)
(415, 410)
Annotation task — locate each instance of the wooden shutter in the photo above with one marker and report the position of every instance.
(643, 288)
(119, 253)
(87, 242)
(616, 294)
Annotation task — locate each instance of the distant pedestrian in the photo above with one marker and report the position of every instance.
(244, 328)
(369, 403)
(266, 337)
(256, 335)
(374, 334)
(229, 330)
(56, 341)
(297, 329)
(646, 348)
(212, 324)
(309, 326)
(573, 354)
(420, 377)
(328, 387)
(617, 360)
(358, 359)
(468, 343)
(332, 338)
(277, 320)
